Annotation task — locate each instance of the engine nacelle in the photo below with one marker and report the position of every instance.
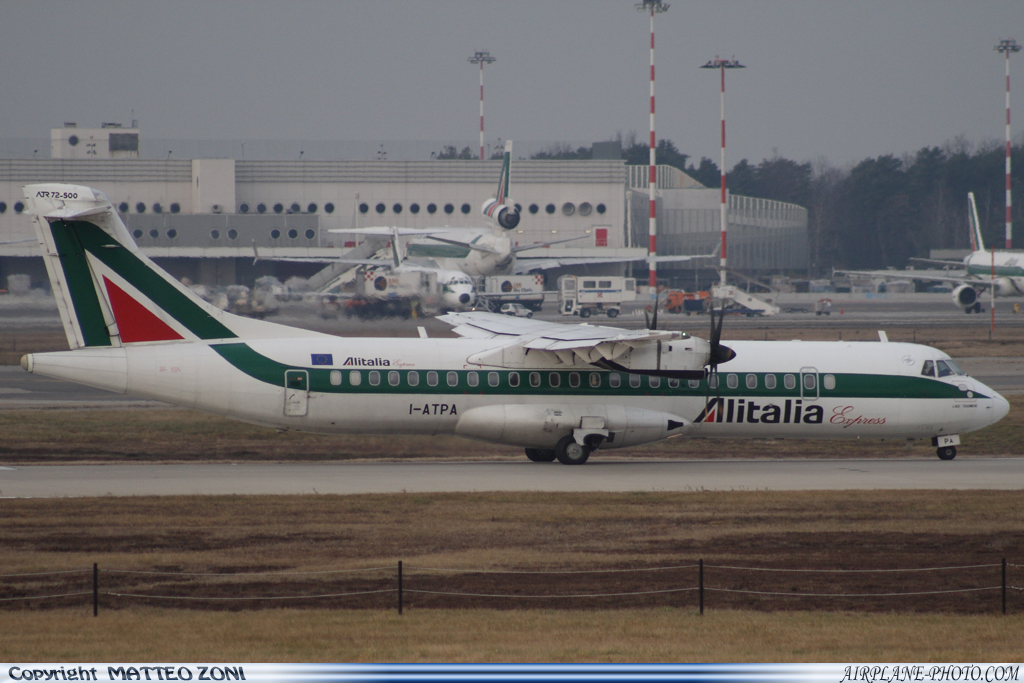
(542, 426)
(965, 296)
(506, 215)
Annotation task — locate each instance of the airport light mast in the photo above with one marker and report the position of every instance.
(1006, 47)
(722, 65)
(482, 57)
(654, 7)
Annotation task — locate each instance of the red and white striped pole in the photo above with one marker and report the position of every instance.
(1008, 46)
(480, 57)
(652, 6)
(722, 65)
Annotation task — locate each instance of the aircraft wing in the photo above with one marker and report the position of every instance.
(525, 264)
(939, 262)
(384, 231)
(33, 239)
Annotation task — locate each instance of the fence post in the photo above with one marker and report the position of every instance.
(96, 589)
(399, 587)
(1004, 585)
(700, 571)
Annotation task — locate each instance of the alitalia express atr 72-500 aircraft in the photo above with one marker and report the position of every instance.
(559, 391)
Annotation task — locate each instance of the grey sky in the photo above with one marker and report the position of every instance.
(843, 79)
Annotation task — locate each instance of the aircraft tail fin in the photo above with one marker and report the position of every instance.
(977, 243)
(502, 208)
(108, 292)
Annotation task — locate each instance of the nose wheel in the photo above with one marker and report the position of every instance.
(946, 452)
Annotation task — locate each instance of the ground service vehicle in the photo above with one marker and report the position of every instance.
(585, 296)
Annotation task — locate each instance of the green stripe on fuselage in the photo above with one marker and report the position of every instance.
(436, 251)
(589, 382)
(146, 280)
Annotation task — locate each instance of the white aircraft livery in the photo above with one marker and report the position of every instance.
(559, 391)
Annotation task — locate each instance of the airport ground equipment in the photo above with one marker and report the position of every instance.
(586, 296)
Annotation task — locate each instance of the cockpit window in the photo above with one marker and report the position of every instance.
(955, 368)
(943, 368)
(929, 369)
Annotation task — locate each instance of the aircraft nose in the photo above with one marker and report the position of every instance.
(464, 298)
(1000, 406)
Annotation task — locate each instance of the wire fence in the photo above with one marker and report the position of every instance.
(961, 587)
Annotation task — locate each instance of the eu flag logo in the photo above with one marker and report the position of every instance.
(323, 359)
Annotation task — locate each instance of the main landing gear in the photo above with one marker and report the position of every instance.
(567, 451)
(540, 455)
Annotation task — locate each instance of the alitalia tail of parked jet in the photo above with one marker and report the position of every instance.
(110, 294)
(502, 208)
(977, 243)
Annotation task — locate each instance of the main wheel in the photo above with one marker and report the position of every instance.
(584, 312)
(539, 455)
(569, 452)
(946, 452)
(613, 312)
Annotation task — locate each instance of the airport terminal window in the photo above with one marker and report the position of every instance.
(374, 378)
(158, 208)
(769, 381)
(513, 379)
(123, 207)
(172, 233)
(19, 207)
(601, 208)
(294, 208)
(154, 234)
(449, 208)
(634, 381)
(329, 208)
(466, 208)
(554, 380)
(432, 378)
(336, 378)
(261, 208)
(397, 208)
(275, 234)
(393, 378)
(534, 379)
(829, 382)
(810, 382)
(534, 208)
(453, 379)
(732, 381)
(175, 207)
(431, 208)
(789, 381)
(751, 381)
(355, 378)
(232, 234)
(279, 207)
(574, 380)
(493, 379)
(693, 383)
(550, 208)
(136, 233)
(243, 208)
(413, 378)
(310, 233)
(654, 382)
(414, 208)
(3, 207)
(585, 208)
(364, 207)
(595, 380)
(311, 208)
(380, 207)
(568, 209)
(139, 208)
(614, 380)
(293, 233)
(472, 379)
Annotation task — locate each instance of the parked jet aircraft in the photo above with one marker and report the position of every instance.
(1000, 270)
(560, 391)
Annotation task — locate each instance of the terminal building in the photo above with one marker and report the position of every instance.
(206, 219)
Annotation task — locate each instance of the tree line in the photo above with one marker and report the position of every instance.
(876, 213)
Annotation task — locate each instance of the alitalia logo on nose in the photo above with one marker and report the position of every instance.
(368, 362)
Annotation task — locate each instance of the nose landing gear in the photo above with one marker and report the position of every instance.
(946, 452)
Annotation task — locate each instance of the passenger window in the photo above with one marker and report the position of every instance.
(634, 381)
(809, 382)
(693, 383)
(614, 380)
(944, 370)
(453, 379)
(336, 377)
(393, 378)
(595, 380)
(492, 379)
(374, 378)
(472, 379)
(355, 378)
(829, 382)
(929, 369)
(513, 379)
(673, 384)
(574, 379)
(432, 378)
(654, 382)
(732, 381)
(769, 381)
(555, 380)
(534, 379)
(789, 381)
(751, 381)
(413, 378)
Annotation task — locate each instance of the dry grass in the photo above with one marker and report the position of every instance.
(173, 435)
(664, 635)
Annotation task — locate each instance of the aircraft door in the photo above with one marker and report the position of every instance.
(296, 393)
(809, 384)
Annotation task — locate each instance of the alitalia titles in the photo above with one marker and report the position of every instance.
(747, 410)
(368, 362)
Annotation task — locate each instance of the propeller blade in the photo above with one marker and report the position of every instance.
(647, 317)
